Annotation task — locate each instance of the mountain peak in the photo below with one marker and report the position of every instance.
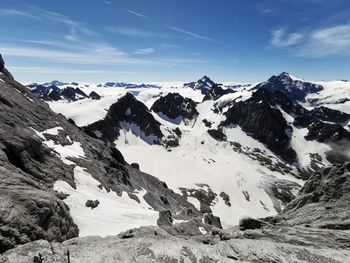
(204, 84)
(293, 87)
(284, 75)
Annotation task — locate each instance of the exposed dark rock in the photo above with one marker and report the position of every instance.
(226, 198)
(216, 91)
(250, 223)
(326, 114)
(165, 218)
(326, 132)
(126, 113)
(264, 123)
(207, 123)
(72, 94)
(293, 88)
(93, 95)
(173, 106)
(328, 185)
(204, 195)
(92, 203)
(177, 131)
(54, 93)
(212, 220)
(135, 165)
(217, 134)
(204, 84)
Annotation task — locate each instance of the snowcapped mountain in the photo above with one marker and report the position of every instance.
(295, 88)
(204, 84)
(218, 157)
(214, 145)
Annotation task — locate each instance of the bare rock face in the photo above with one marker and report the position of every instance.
(126, 111)
(264, 123)
(173, 106)
(215, 92)
(250, 223)
(93, 95)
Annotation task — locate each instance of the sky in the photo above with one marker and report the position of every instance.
(179, 40)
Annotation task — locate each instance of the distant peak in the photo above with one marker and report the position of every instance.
(284, 74)
(205, 78)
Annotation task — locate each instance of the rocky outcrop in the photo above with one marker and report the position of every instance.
(265, 123)
(216, 91)
(175, 107)
(326, 114)
(295, 89)
(130, 114)
(326, 132)
(94, 96)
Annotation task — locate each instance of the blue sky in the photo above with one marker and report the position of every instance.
(179, 40)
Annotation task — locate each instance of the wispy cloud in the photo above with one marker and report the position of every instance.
(48, 16)
(100, 55)
(314, 43)
(195, 35)
(107, 2)
(45, 70)
(328, 41)
(136, 14)
(281, 39)
(58, 18)
(17, 14)
(144, 51)
(136, 32)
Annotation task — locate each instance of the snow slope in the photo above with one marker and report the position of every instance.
(200, 162)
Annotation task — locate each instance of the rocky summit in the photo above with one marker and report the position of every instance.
(196, 172)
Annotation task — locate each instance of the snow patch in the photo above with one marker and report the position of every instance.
(114, 213)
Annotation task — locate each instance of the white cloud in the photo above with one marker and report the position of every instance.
(136, 32)
(281, 39)
(17, 13)
(48, 16)
(103, 55)
(45, 70)
(62, 19)
(319, 42)
(327, 41)
(144, 51)
(183, 31)
(136, 14)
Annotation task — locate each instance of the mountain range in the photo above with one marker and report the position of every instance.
(175, 172)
